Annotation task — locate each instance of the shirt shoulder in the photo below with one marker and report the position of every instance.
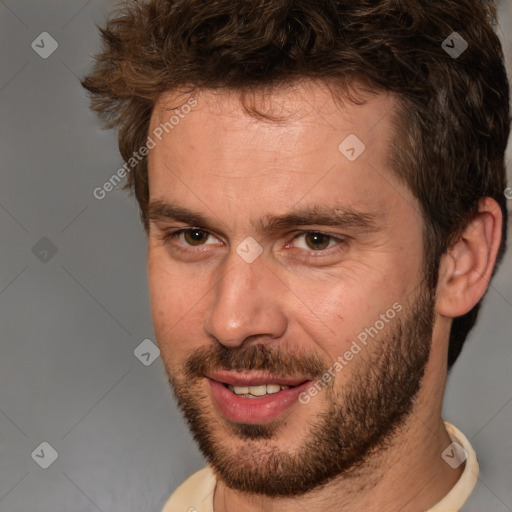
(195, 494)
(461, 491)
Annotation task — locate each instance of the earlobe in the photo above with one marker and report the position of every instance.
(467, 266)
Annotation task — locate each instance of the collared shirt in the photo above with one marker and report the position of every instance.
(196, 493)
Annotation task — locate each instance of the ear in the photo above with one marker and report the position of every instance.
(466, 268)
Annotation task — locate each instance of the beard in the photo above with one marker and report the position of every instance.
(355, 422)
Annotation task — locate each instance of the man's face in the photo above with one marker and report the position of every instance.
(285, 273)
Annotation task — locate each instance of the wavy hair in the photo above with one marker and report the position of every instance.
(453, 120)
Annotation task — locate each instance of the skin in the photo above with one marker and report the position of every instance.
(237, 170)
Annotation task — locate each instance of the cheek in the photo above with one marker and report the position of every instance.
(350, 289)
(340, 308)
(177, 310)
(162, 299)
(168, 301)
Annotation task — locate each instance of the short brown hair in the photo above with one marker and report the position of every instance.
(453, 122)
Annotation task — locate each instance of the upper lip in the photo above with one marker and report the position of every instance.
(254, 378)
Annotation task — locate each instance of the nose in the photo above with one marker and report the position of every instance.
(246, 305)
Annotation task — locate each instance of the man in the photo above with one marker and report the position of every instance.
(322, 184)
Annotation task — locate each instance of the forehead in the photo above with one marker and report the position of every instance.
(314, 148)
(286, 106)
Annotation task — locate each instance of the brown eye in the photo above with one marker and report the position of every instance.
(195, 236)
(317, 241)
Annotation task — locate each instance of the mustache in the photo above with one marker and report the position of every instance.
(255, 357)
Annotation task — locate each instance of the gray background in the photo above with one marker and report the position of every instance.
(70, 321)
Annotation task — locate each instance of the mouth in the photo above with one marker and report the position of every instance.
(253, 397)
(257, 391)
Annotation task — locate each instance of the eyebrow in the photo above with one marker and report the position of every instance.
(336, 216)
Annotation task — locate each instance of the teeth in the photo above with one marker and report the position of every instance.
(258, 390)
(272, 388)
(264, 389)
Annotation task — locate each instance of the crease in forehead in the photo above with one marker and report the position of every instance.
(321, 108)
(278, 103)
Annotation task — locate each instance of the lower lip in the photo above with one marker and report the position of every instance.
(252, 411)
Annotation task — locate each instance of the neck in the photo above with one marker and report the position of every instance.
(408, 474)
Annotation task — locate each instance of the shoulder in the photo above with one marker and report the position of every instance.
(195, 494)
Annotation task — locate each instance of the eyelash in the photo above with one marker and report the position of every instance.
(173, 235)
